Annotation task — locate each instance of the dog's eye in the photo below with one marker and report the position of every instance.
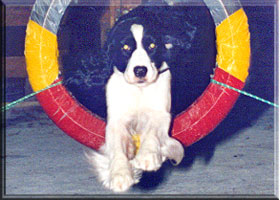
(152, 46)
(126, 47)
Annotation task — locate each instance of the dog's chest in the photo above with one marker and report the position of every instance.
(129, 99)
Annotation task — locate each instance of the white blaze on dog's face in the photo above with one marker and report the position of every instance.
(137, 51)
(140, 68)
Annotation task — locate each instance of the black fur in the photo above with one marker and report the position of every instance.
(86, 76)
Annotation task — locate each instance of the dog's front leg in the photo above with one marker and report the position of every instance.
(149, 157)
(119, 146)
(156, 144)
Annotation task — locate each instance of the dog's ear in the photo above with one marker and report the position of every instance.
(175, 46)
(180, 39)
(109, 47)
(179, 32)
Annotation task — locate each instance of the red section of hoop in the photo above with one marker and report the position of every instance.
(208, 110)
(190, 126)
(71, 117)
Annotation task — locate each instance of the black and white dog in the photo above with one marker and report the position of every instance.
(135, 73)
(138, 102)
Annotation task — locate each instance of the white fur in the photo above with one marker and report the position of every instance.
(135, 108)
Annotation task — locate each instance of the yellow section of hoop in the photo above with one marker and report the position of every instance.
(41, 52)
(233, 45)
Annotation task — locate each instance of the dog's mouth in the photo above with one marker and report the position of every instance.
(141, 81)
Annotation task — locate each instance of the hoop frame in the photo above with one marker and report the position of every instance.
(197, 121)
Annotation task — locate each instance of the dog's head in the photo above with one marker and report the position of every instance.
(136, 49)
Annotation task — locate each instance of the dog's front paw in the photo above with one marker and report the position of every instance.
(121, 181)
(147, 161)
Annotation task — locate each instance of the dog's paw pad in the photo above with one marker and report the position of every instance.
(121, 182)
(147, 161)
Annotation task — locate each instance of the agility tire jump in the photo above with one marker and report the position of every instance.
(197, 121)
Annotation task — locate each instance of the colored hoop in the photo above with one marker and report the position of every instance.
(197, 121)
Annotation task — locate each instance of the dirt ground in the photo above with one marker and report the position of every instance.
(238, 158)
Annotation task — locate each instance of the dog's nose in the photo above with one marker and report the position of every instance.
(140, 71)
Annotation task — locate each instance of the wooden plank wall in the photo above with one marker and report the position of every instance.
(112, 13)
(16, 20)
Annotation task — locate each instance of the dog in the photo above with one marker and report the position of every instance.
(133, 76)
(138, 102)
